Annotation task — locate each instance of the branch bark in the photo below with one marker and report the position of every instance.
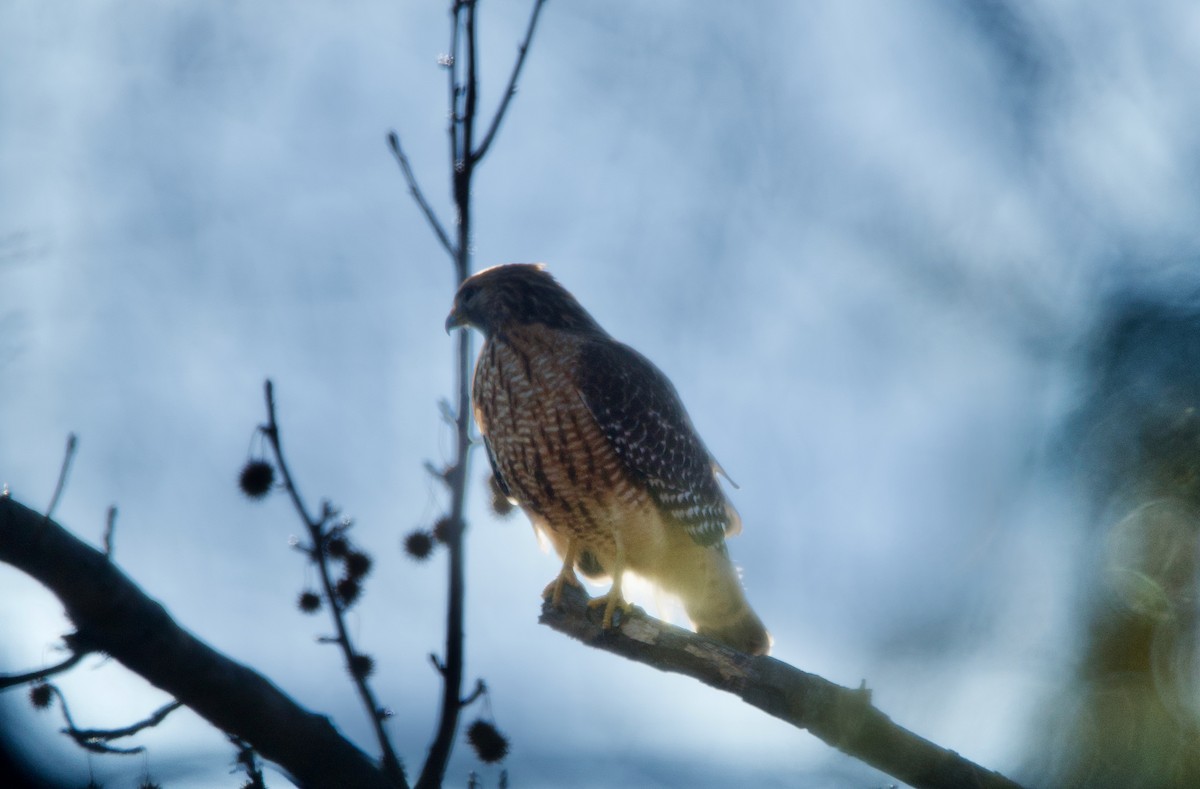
(118, 618)
(842, 717)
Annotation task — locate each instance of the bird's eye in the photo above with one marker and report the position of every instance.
(468, 294)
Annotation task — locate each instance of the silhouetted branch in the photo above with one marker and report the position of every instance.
(842, 717)
(318, 534)
(13, 680)
(110, 528)
(480, 689)
(463, 101)
(511, 90)
(247, 760)
(117, 618)
(462, 124)
(68, 456)
(97, 739)
(418, 195)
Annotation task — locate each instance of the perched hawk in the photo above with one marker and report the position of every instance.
(592, 441)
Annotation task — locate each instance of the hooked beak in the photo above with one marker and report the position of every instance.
(455, 319)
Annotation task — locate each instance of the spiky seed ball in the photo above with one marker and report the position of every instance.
(256, 478)
(40, 696)
(500, 503)
(419, 544)
(310, 602)
(337, 547)
(362, 666)
(490, 745)
(348, 589)
(358, 564)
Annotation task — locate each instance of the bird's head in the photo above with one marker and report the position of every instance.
(515, 294)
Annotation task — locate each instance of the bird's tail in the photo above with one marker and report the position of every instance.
(717, 606)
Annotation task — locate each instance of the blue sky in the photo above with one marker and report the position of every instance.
(865, 239)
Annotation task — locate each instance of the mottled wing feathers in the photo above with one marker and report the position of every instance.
(500, 481)
(641, 415)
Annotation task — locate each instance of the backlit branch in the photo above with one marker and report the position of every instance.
(511, 89)
(118, 619)
(460, 64)
(415, 190)
(68, 456)
(98, 740)
(13, 680)
(842, 717)
(319, 534)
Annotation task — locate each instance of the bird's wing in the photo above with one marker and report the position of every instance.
(641, 415)
(500, 481)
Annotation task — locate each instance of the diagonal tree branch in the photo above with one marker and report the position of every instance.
(117, 617)
(511, 89)
(13, 680)
(419, 196)
(318, 535)
(68, 456)
(842, 717)
(97, 740)
(155, 718)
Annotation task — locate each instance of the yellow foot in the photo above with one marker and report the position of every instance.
(613, 601)
(554, 589)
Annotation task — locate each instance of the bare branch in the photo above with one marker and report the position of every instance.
(317, 533)
(419, 196)
(462, 124)
(480, 689)
(100, 737)
(13, 680)
(68, 456)
(110, 526)
(842, 717)
(464, 91)
(456, 8)
(119, 619)
(87, 743)
(511, 89)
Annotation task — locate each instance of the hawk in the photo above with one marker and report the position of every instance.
(591, 440)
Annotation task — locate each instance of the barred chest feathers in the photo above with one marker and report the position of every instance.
(546, 444)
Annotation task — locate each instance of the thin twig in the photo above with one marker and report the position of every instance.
(316, 529)
(13, 680)
(107, 735)
(110, 526)
(418, 195)
(480, 689)
(456, 8)
(68, 456)
(87, 743)
(511, 89)
(842, 717)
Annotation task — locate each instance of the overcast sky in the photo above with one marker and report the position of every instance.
(865, 239)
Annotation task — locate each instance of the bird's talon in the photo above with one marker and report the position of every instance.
(554, 589)
(613, 602)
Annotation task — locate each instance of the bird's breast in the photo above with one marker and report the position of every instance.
(547, 445)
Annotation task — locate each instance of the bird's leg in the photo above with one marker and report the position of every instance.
(565, 576)
(613, 601)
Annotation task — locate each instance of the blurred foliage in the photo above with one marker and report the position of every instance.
(1129, 717)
